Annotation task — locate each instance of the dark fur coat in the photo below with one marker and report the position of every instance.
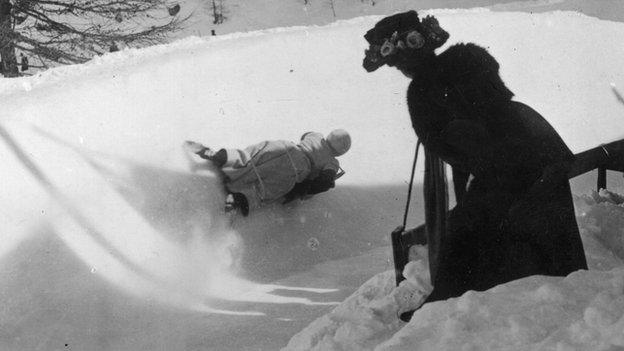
(506, 225)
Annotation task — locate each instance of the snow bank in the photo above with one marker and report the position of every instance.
(582, 311)
(602, 215)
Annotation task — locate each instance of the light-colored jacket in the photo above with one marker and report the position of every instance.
(267, 171)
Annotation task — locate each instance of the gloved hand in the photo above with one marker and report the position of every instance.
(398, 230)
(195, 147)
(299, 191)
(289, 198)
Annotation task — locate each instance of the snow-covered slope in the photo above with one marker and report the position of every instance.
(110, 242)
(248, 15)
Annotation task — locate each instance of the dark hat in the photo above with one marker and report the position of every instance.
(401, 24)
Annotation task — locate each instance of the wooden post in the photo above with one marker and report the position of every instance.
(602, 178)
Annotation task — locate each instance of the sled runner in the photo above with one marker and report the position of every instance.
(436, 207)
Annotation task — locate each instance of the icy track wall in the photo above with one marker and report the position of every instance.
(93, 157)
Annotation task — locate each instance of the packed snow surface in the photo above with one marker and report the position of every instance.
(114, 240)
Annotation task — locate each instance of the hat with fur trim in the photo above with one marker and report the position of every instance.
(399, 34)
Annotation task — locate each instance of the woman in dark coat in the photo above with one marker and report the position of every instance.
(515, 218)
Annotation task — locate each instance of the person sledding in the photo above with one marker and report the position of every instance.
(278, 170)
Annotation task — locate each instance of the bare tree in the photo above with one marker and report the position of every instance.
(73, 31)
(331, 5)
(217, 12)
(8, 63)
